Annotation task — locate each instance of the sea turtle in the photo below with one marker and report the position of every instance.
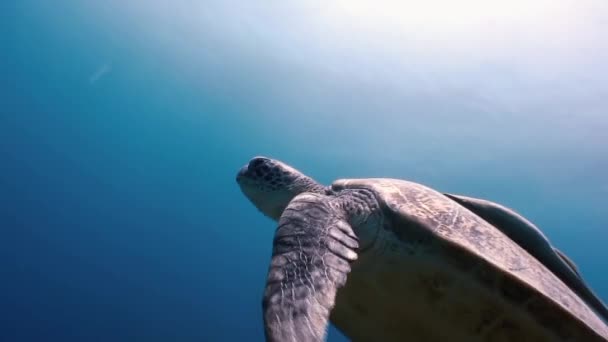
(393, 260)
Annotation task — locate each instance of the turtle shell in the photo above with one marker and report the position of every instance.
(421, 218)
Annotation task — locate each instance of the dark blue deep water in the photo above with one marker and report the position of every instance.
(123, 124)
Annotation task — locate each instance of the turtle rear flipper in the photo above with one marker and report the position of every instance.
(568, 261)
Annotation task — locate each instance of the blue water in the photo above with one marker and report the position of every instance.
(123, 126)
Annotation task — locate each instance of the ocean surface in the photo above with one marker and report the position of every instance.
(123, 124)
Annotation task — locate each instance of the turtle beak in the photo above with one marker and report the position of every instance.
(241, 174)
(251, 167)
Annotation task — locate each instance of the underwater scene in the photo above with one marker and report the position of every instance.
(125, 123)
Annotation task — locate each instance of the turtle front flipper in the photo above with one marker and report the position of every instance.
(313, 248)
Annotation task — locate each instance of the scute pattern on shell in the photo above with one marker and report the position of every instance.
(474, 245)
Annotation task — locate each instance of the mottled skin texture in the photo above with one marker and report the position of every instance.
(390, 260)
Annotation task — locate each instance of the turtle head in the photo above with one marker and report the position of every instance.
(270, 185)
